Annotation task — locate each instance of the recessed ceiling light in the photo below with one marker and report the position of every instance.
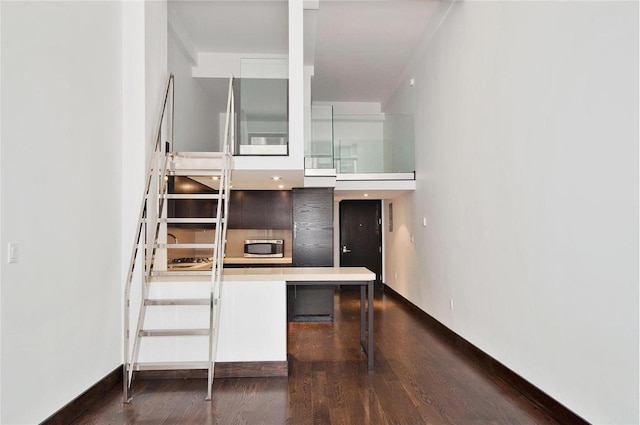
(366, 195)
(215, 177)
(280, 186)
(276, 178)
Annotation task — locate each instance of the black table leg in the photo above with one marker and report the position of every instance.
(370, 336)
(362, 318)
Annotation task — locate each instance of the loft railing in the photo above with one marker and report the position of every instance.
(360, 144)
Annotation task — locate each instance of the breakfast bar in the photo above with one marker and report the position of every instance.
(253, 315)
(308, 276)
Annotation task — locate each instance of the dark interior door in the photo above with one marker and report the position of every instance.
(361, 235)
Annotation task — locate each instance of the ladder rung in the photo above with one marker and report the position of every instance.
(198, 155)
(170, 366)
(194, 196)
(178, 301)
(185, 245)
(174, 332)
(194, 172)
(191, 220)
(164, 276)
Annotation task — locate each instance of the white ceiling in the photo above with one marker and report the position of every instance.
(232, 26)
(361, 47)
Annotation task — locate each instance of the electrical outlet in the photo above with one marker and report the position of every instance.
(396, 275)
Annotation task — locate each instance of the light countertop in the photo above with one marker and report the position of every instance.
(275, 274)
(301, 274)
(257, 260)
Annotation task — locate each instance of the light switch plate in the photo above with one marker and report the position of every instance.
(14, 252)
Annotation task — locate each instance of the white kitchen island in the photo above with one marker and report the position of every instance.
(253, 317)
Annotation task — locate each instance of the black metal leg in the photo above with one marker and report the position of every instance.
(370, 336)
(362, 318)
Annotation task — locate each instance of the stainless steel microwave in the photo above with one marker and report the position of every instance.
(267, 248)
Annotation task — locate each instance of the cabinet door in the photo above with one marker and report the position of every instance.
(310, 303)
(312, 246)
(255, 209)
(312, 227)
(280, 210)
(234, 215)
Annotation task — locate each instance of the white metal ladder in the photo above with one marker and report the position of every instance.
(163, 164)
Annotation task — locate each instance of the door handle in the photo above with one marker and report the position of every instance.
(345, 250)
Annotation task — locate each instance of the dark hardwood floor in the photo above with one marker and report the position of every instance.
(419, 378)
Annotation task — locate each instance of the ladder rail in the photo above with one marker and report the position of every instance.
(141, 231)
(162, 186)
(150, 254)
(220, 244)
(151, 220)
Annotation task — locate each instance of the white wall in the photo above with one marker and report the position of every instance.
(196, 113)
(156, 59)
(527, 170)
(1, 262)
(241, 65)
(61, 196)
(134, 130)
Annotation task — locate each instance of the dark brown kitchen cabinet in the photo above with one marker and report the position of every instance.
(190, 208)
(312, 247)
(255, 209)
(234, 214)
(248, 209)
(280, 215)
(193, 208)
(260, 209)
(313, 227)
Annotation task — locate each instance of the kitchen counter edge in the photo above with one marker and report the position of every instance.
(278, 274)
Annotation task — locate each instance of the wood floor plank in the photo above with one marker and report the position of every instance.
(419, 378)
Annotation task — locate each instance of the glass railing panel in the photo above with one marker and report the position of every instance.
(399, 143)
(262, 106)
(319, 150)
(377, 143)
(359, 143)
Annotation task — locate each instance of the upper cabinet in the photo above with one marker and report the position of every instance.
(190, 208)
(234, 215)
(248, 209)
(281, 209)
(260, 209)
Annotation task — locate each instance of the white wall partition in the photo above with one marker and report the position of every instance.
(61, 196)
(526, 118)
